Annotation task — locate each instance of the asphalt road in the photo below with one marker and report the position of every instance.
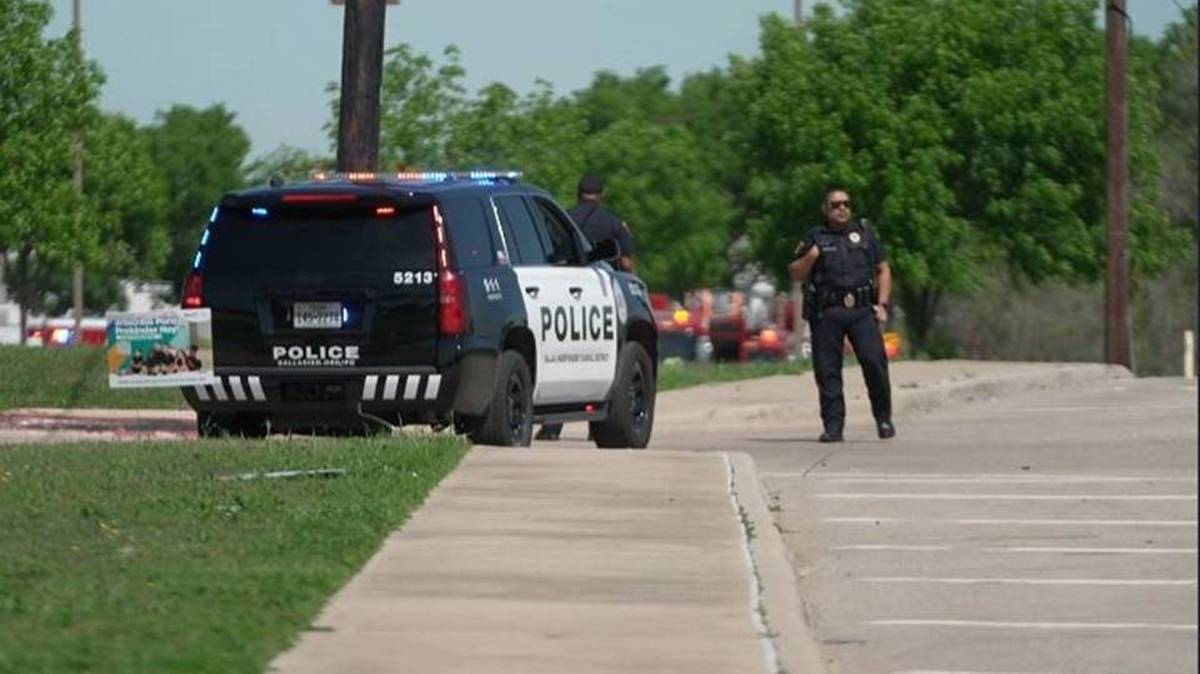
(1048, 532)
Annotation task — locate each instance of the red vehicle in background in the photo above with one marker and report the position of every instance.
(680, 334)
(745, 328)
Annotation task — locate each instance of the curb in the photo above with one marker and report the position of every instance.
(991, 386)
(797, 650)
(922, 397)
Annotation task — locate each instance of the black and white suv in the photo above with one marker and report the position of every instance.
(434, 298)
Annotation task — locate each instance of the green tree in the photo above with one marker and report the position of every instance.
(126, 197)
(288, 163)
(418, 103)
(47, 99)
(495, 130)
(1176, 135)
(200, 154)
(970, 132)
(644, 97)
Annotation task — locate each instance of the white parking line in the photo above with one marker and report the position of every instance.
(920, 622)
(969, 478)
(1099, 551)
(958, 672)
(1067, 550)
(1028, 581)
(1016, 497)
(1009, 522)
(897, 548)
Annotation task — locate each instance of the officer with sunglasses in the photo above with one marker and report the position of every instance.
(848, 285)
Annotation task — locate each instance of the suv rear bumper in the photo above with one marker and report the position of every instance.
(327, 392)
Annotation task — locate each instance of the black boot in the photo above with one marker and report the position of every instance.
(886, 430)
(831, 435)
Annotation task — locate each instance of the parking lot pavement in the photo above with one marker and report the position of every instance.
(1046, 533)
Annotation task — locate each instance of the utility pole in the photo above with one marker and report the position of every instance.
(362, 70)
(1117, 325)
(798, 11)
(77, 147)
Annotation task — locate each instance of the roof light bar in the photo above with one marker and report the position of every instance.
(418, 176)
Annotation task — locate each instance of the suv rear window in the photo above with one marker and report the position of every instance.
(467, 227)
(320, 240)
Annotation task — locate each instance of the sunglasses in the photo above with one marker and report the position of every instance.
(834, 205)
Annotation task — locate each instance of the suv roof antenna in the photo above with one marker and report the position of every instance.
(277, 181)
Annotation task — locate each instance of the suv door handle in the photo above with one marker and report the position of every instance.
(532, 291)
(576, 291)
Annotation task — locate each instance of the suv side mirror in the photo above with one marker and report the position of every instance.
(604, 249)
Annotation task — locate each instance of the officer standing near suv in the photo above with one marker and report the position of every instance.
(597, 223)
(851, 284)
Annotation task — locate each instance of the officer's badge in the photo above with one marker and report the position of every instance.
(848, 300)
(855, 237)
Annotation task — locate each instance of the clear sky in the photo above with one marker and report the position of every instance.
(269, 60)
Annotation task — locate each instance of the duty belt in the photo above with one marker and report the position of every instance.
(863, 296)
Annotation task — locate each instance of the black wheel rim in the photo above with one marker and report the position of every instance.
(516, 407)
(639, 410)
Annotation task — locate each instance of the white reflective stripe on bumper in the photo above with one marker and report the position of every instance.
(219, 390)
(235, 385)
(201, 392)
(256, 389)
(410, 387)
(432, 386)
(369, 386)
(389, 387)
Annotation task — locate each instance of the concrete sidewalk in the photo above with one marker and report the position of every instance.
(561, 561)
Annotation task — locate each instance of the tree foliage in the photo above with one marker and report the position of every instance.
(200, 154)
(47, 101)
(126, 197)
(287, 163)
(1176, 136)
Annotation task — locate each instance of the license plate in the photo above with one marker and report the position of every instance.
(317, 315)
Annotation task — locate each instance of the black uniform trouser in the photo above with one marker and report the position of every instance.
(828, 333)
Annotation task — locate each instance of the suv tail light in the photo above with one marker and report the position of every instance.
(452, 309)
(193, 291)
(452, 298)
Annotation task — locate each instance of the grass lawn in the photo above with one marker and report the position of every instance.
(133, 557)
(682, 375)
(70, 378)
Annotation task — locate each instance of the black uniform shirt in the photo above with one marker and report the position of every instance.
(848, 256)
(598, 223)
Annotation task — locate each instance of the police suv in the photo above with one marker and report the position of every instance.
(431, 298)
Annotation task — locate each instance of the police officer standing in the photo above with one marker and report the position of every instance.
(849, 293)
(597, 223)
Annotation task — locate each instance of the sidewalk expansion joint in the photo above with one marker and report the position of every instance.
(758, 609)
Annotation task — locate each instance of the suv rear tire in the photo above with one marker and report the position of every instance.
(631, 407)
(509, 419)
